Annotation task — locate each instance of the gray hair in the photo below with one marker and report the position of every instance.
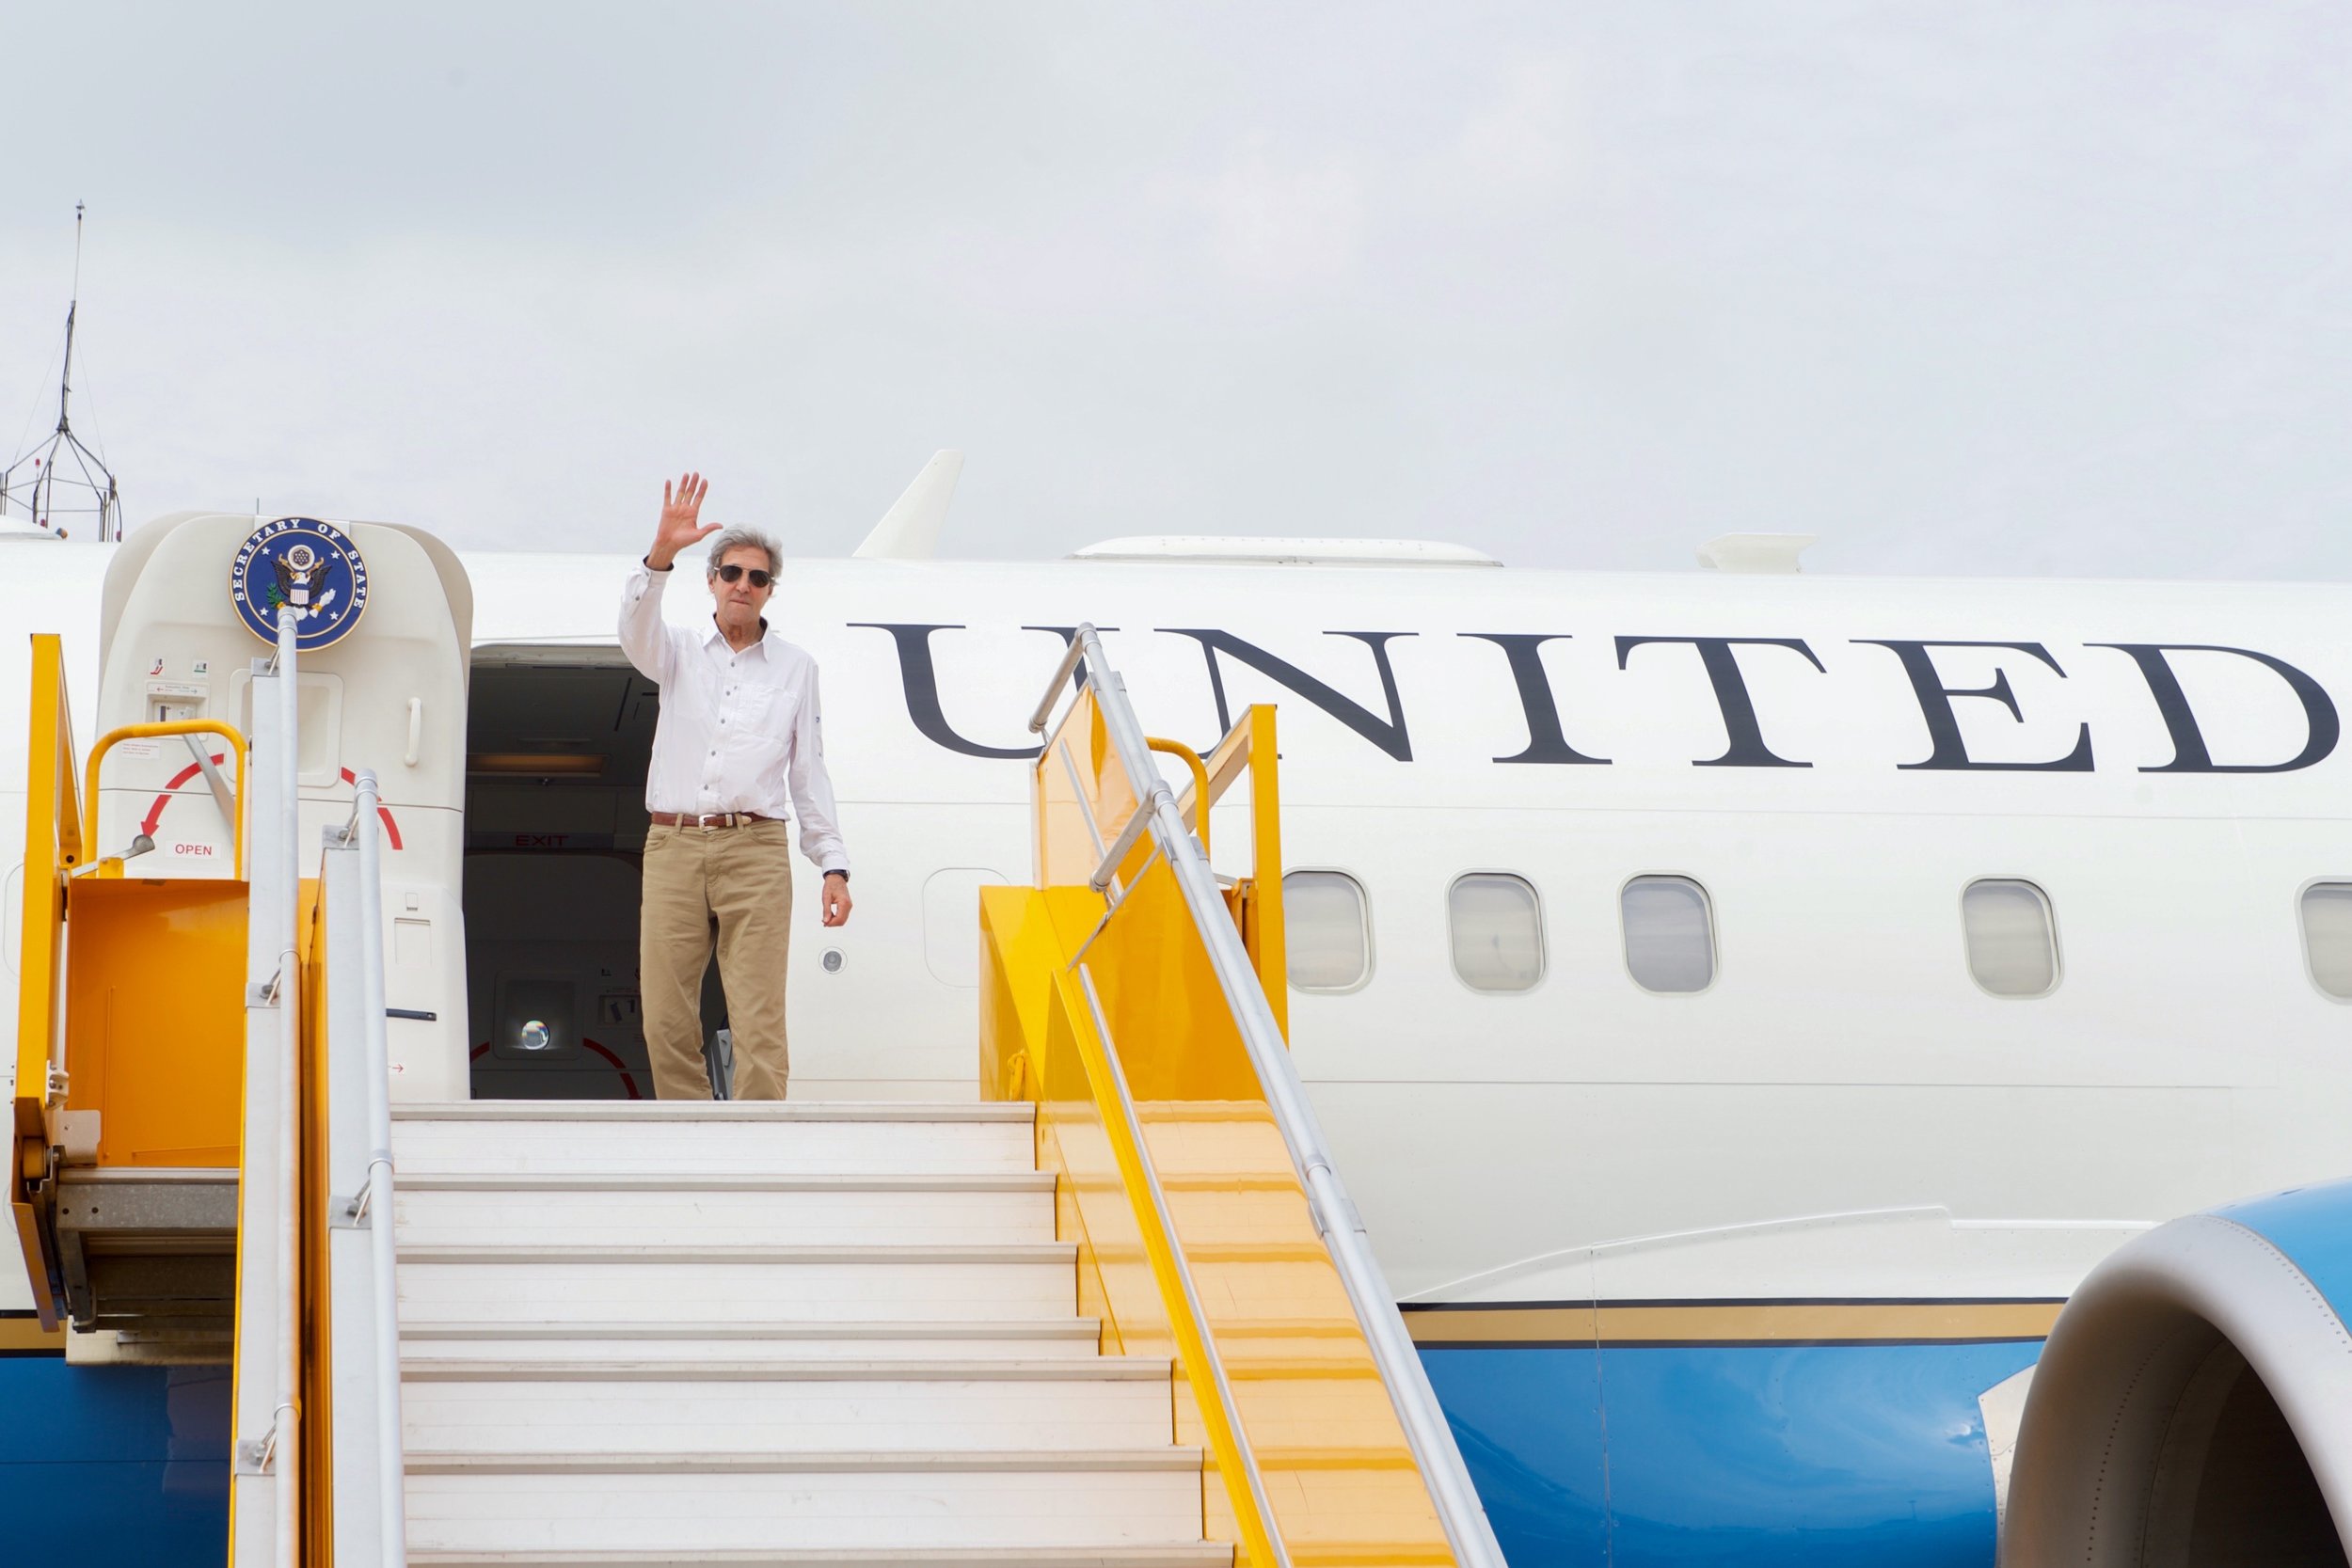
(744, 539)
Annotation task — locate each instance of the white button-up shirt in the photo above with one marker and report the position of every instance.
(738, 731)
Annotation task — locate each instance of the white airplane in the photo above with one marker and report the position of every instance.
(1746, 1003)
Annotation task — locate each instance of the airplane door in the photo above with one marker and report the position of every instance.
(384, 688)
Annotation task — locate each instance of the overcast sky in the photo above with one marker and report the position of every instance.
(1982, 286)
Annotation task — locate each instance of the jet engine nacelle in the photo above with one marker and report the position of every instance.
(2193, 1404)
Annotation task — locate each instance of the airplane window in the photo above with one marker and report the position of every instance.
(1669, 934)
(1498, 932)
(1328, 930)
(2013, 940)
(2328, 937)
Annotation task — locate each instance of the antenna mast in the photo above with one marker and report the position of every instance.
(30, 486)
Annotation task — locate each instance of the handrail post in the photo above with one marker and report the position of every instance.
(1269, 935)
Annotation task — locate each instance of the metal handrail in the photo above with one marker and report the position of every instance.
(269, 1356)
(377, 1197)
(268, 1390)
(189, 727)
(1336, 1220)
(1193, 1326)
(287, 1428)
(1200, 770)
(53, 846)
(1062, 671)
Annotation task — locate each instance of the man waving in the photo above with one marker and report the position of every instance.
(738, 747)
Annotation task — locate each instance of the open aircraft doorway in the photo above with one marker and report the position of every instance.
(557, 743)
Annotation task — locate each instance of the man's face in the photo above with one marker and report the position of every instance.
(741, 603)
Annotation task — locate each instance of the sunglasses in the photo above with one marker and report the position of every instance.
(730, 572)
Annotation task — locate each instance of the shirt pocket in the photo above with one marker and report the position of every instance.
(767, 712)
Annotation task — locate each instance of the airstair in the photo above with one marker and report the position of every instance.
(1116, 1309)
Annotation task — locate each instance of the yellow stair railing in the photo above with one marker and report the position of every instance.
(1140, 1006)
(53, 848)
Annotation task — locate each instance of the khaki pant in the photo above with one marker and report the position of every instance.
(743, 876)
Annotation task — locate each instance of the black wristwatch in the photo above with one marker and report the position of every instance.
(843, 875)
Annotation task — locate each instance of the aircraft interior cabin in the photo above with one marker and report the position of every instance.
(557, 742)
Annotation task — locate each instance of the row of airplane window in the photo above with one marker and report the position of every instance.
(1495, 922)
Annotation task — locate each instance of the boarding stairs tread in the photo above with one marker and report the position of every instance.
(781, 1110)
(443, 1461)
(871, 1253)
(1021, 1182)
(1206, 1553)
(865, 1328)
(1098, 1368)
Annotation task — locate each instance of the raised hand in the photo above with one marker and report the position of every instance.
(681, 520)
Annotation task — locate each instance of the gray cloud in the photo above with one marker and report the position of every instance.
(1992, 289)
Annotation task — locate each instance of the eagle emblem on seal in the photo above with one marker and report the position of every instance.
(299, 572)
(303, 565)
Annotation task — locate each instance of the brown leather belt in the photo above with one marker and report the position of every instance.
(709, 821)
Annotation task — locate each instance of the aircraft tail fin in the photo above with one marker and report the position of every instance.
(910, 530)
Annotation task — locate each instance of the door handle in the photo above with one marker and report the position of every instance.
(416, 729)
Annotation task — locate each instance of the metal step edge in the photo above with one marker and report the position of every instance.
(623, 1181)
(146, 1176)
(1203, 1555)
(869, 1328)
(1098, 1368)
(1174, 1457)
(691, 1252)
(708, 1110)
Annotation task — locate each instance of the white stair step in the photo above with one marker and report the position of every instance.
(1205, 1554)
(1017, 1110)
(747, 1285)
(455, 1209)
(605, 1405)
(794, 1182)
(686, 1504)
(1026, 1338)
(658, 1138)
(728, 1369)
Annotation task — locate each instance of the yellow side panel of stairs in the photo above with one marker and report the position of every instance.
(1341, 1482)
(156, 1017)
